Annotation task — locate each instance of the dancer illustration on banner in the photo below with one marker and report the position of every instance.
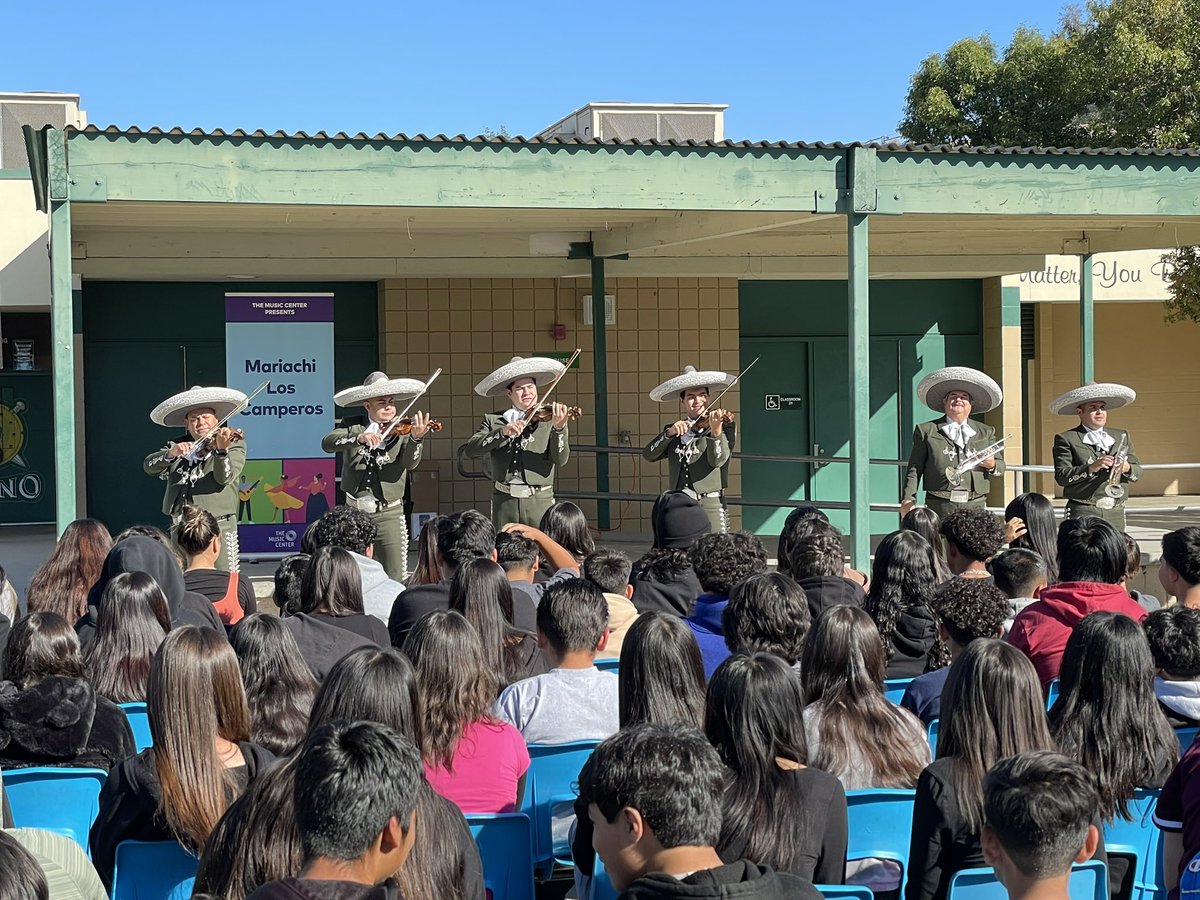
(318, 500)
(283, 501)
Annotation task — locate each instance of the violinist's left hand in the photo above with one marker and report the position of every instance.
(224, 438)
(420, 425)
(558, 419)
(716, 421)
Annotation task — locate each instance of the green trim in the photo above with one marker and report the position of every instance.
(1010, 306)
(859, 286)
(1087, 321)
(62, 360)
(600, 361)
(15, 175)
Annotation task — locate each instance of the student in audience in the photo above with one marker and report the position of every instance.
(566, 525)
(810, 551)
(778, 811)
(279, 686)
(1177, 815)
(1038, 810)
(62, 582)
(201, 759)
(928, 524)
(1021, 575)
(1133, 569)
(609, 570)
(69, 873)
(49, 714)
(720, 561)
(1031, 525)
(520, 550)
(1174, 637)
(200, 539)
(968, 609)
(481, 592)
(899, 602)
(663, 579)
(852, 730)
(471, 757)
(973, 536)
(289, 578)
(653, 794)
(24, 879)
(10, 603)
(574, 701)
(1179, 568)
(355, 531)
(132, 623)
(1091, 560)
(427, 571)
(461, 537)
(767, 612)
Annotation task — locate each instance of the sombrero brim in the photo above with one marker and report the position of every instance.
(403, 389)
(985, 393)
(671, 388)
(1114, 396)
(540, 368)
(173, 411)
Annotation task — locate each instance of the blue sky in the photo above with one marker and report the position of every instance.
(788, 70)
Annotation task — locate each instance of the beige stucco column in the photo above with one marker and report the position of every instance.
(1002, 360)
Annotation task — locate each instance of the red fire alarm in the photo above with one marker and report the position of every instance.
(559, 331)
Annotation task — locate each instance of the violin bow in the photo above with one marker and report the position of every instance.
(712, 404)
(193, 455)
(541, 401)
(400, 415)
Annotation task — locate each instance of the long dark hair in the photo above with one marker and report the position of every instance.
(928, 524)
(1107, 716)
(565, 523)
(40, 645)
(332, 584)
(427, 571)
(843, 667)
(754, 719)
(373, 684)
(482, 593)
(279, 686)
(1041, 529)
(62, 583)
(132, 622)
(992, 708)
(903, 577)
(661, 674)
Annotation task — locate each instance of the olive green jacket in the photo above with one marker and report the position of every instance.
(369, 474)
(215, 483)
(699, 466)
(532, 456)
(1072, 458)
(932, 453)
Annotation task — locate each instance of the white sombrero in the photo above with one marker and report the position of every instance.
(541, 369)
(933, 388)
(377, 384)
(690, 378)
(1114, 396)
(173, 411)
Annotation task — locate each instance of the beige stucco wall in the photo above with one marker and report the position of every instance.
(470, 326)
(24, 263)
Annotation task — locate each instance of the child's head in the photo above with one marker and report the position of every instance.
(1179, 569)
(1038, 812)
(1174, 635)
(650, 788)
(288, 578)
(572, 617)
(972, 536)
(1019, 573)
(767, 612)
(971, 608)
(609, 570)
(722, 560)
(517, 555)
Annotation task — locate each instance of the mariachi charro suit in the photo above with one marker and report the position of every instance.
(932, 453)
(522, 468)
(698, 468)
(1083, 489)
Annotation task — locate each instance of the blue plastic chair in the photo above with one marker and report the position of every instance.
(139, 721)
(1189, 880)
(608, 665)
(1142, 840)
(551, 785)
(880, 826)
(1186, 737)
(153, 870)
(933, 736)
(1089, 881)
(65, 801)
(894, 688)
(505, 842)
(1051, 693)
(845, 892)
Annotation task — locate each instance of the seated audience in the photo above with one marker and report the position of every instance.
(355, 531)
(663, 579)
(810, 551)
(200, 539)
(1174, 637)
(968, 609)
(427, 570)
(1031, 525)
(1179, 568)
(899, 602)
(1021, 575)
(767, 613)
(24, 878)
(778, 810)
(973, 536)
(1091, 561)
(69, 874)
(481, 592)
(609, 570)
(720, 561)
(202, 758)
(574, 701)
(131, 624)
(520, 554)
(1177, 815)
(1133, 569)
(925, 522)
(49, 714)
(62, 582)
(471, 757)
(653, 793)
(289, 578)
(1038, 810)
(279, 686)
(565, 524)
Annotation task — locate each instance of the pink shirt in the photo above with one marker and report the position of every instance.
(488, 762)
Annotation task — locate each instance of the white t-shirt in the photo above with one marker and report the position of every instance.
(562, 706)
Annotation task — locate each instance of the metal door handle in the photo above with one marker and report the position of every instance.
(816, 451)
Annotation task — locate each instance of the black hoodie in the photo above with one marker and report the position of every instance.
(310, 889)
(824, 591)
(742, 880)
(144, 554)
(59, 721)
(913, 641)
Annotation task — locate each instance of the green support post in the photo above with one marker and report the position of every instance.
(600, 364)
(62, 330)
(1087, 322)
(858, 282)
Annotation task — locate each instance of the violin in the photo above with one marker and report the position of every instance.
(404, 426)
(205, 445)
(703, 423)
(545, 413)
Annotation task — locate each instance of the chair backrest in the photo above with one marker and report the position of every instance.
(505, 842)
(1186, 736)
(1052, 690)
(65, 801)
(1089, 881)
(608, 665)
(153, 870)
(551, 786)
(933, 736)
(1141, 840)
(839, 891)
(139, 721)
(894, 688)
(880, 826)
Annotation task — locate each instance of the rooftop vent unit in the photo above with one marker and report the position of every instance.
(642, 122)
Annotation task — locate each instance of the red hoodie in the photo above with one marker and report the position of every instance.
(1041, 630)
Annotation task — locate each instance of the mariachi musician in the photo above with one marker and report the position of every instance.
(1094, 464)
(954, 457)
(202, 467)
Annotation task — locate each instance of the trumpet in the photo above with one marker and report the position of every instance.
(1113, 487)
(954, 474)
